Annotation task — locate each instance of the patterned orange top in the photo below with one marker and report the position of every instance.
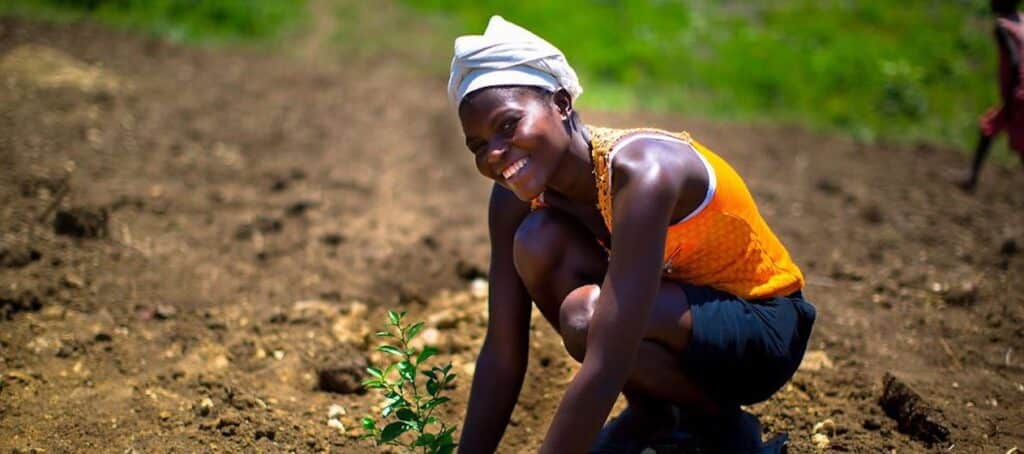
(724, 243)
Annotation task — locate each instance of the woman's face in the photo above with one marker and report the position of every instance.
(517, 137)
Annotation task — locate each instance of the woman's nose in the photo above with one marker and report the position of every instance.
(496, 151)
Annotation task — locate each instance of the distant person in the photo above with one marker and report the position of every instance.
(641, 247)
(1009, 116)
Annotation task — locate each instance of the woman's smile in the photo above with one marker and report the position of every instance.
(513, 170)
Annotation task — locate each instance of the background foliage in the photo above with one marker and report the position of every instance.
(899, 70)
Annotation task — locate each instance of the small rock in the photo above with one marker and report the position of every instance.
(821, 441)
(815, 360)
(478, 288)
(73, 281)
(82, 222)
(165, 415)
(335, 424)
(165, 311)
(827, 426)
(335, 411)
(204, 407)
(914, 416)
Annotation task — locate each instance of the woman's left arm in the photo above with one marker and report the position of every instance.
(645, 194)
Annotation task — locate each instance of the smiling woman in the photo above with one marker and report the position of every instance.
(695, 308)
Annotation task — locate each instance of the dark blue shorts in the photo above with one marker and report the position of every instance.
(741, 351)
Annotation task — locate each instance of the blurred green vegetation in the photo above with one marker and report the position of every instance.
(899, 70)
(911, 69)
(218, 21)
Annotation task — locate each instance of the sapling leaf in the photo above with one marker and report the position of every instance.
(374, 371)
(426, 354)
(406, 370)
(392, 431)
(395, 317)
(435, 402)
(432, 387)
(390, 349)
(413, 330)
(424, 440)
(405, 414)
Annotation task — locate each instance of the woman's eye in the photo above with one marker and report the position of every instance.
(509, 126)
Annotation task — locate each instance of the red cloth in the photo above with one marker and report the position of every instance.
(996, 118)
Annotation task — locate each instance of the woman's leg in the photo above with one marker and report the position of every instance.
(560, 264)
(980, 153)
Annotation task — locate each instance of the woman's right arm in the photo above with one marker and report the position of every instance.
(501, 365)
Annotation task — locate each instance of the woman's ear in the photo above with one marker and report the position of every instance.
(563, 102)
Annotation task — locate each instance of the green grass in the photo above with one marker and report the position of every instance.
(899, 70)
(206, 21)
(908, 70)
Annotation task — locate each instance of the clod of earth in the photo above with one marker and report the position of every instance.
(12, 302)
(1009, 248)
(965, 294)
(342, 376)
(332, 239)
(914, 415)
(82, 222)
(262, 224)
(299, 208)
(17, 256)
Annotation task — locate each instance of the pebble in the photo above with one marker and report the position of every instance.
(478, 288)
(816, 360)
(204, 407)
(335, 424)
(827, 426)
(335, 410)
(821, 441)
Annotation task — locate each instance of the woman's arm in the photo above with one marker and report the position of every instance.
(646, 192)
(502, 362)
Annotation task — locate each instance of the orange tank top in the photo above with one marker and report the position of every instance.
(724, 243)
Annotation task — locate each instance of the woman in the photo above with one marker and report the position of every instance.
(642, 248)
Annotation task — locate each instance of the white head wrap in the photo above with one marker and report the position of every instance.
(507, 54)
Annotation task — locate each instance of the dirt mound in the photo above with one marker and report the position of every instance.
(260, 216)
(45, 67)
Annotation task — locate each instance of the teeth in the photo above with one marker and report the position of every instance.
(512, 169)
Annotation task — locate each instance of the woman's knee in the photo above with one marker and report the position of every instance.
(574, 319)
(537, 243)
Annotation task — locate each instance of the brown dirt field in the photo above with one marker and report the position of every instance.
(237, 211)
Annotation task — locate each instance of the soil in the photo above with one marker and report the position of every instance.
(196, 245)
